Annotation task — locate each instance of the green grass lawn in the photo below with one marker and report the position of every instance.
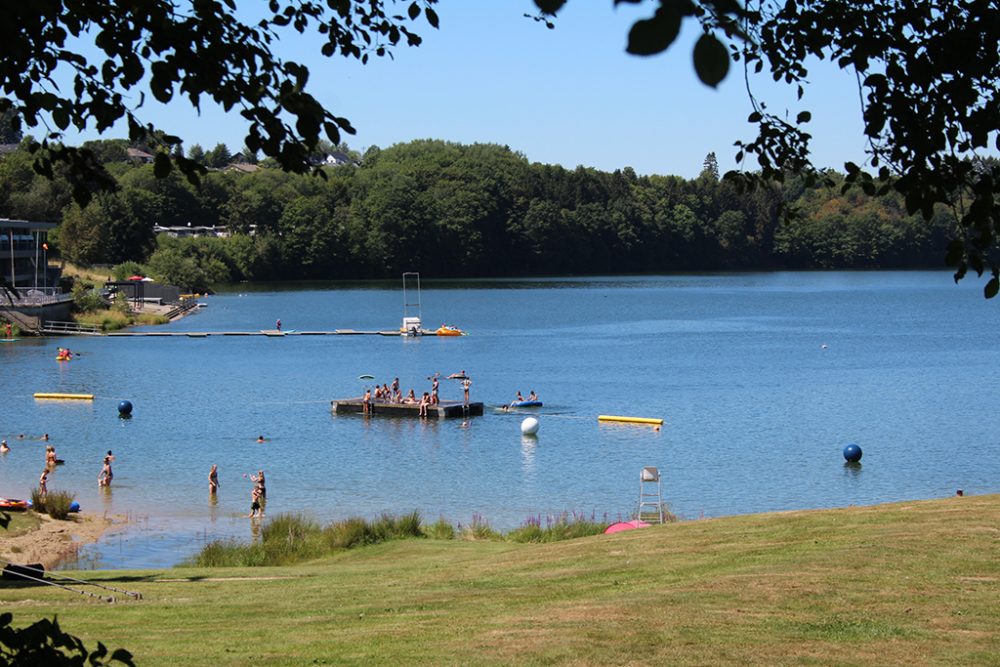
(903, 584)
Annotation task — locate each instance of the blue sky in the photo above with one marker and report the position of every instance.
(568, 96)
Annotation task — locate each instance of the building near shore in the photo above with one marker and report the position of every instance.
(31, 291)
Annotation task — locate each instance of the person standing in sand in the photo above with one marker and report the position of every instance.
(213, 480)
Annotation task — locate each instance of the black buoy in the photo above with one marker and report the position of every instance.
(852, 453)
(124, 408)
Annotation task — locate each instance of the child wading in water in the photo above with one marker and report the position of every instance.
(105, 477)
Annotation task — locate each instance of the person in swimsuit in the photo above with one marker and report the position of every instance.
(3, 447)
(466, 385)
(519, 399)
(255, 508)
(395, 386)
(260, 438)
(42, 483)
(532, 396)
(213, 480)
(104, 478)
(366, 402)
(410, 397)
(50, 457)
(277, 325)
(260, 484)
(434, 390)
(425, 400)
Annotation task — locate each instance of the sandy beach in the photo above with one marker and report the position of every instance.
(55, 541)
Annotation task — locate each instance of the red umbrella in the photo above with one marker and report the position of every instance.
(625, 525)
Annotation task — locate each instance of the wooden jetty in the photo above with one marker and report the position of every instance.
(272, 333)
(443, 410)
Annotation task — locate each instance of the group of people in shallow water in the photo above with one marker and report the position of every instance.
(52, 460)
(393, 394)
(258, 496)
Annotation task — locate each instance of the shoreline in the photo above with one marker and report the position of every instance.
(55, 541)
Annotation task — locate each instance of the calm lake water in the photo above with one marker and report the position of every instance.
(762, 380)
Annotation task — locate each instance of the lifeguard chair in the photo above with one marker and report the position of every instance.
(650, 496)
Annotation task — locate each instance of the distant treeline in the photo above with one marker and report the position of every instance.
(452, 210)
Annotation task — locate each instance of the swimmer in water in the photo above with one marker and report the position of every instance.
(213, 479)
(3, 447)
(260, 438)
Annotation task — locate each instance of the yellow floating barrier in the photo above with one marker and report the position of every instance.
(629, 420)
(81, 397)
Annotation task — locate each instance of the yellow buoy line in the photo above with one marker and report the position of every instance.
(60, 396)
(629, 420)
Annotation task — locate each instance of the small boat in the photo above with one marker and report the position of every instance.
(12, 505)
(526, 404)
(445, 330)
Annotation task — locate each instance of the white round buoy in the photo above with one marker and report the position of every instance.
(529, 426)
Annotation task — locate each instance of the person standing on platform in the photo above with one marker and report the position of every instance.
(466, 385)
(277, 325)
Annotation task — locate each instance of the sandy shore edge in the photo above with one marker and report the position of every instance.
(55, 541)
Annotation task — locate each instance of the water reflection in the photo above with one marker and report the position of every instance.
(528, 443)
(852, 470)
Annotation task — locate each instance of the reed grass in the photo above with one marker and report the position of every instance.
(111, 319)
(55, 503)
(287, 539)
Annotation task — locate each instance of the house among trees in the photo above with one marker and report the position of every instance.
(31, 292)
(336, 158)
(243, 167)
(192, 231)
(138, 156)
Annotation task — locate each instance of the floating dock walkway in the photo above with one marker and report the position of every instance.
(443, 410)
(263, 332)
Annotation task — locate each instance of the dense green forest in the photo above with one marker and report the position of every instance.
(448, 209)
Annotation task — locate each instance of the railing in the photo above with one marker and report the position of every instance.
(185, 305)
(39, 296)
(55, 327)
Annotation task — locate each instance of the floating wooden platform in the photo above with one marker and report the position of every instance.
(273, 333)
(443, 410)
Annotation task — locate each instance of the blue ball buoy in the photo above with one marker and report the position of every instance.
(125, 408)
(852, 453)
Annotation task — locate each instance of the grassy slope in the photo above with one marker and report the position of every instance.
(903, 584)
